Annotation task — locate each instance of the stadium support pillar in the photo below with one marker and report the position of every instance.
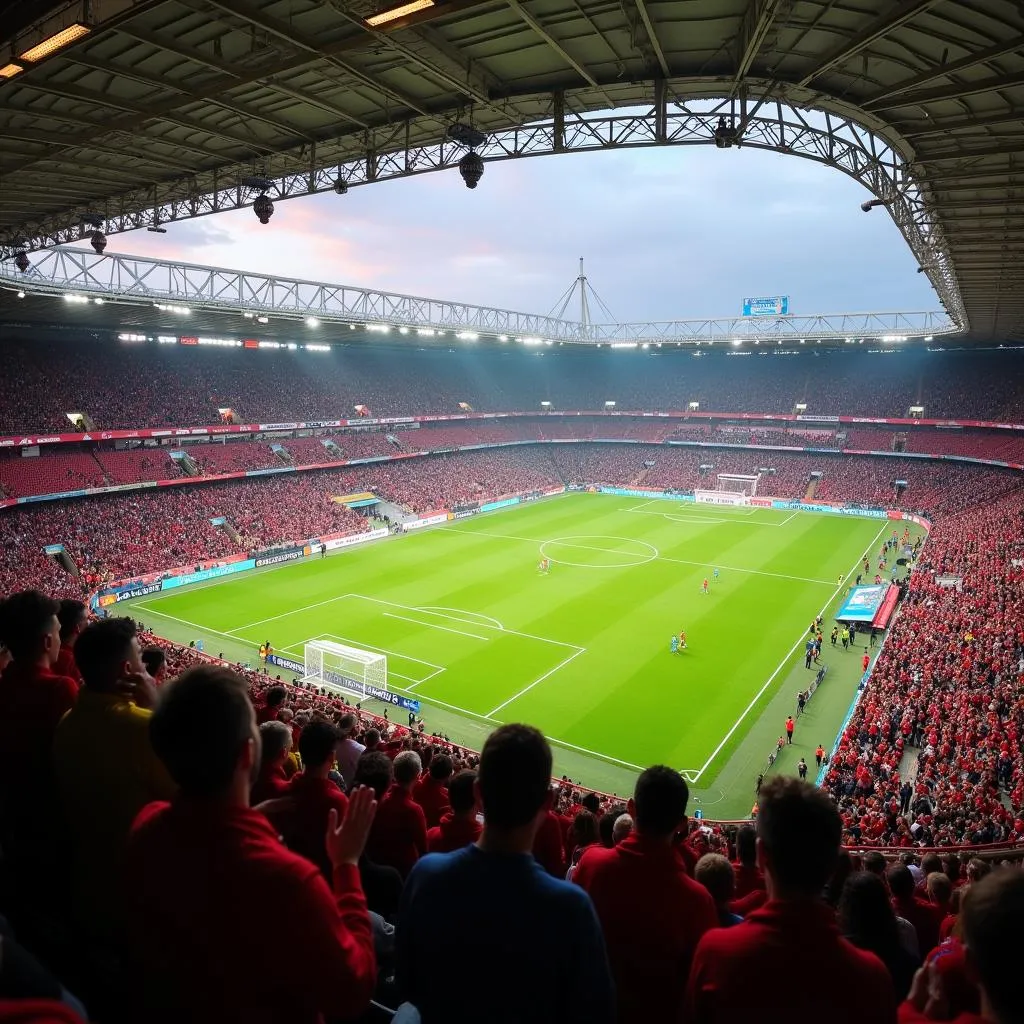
(558, 143)
(661, 109)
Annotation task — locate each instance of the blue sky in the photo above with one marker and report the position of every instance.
(665, 234)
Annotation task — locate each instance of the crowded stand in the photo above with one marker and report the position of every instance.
(185, 839)
(138, 385)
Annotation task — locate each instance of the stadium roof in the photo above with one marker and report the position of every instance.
(172, 108)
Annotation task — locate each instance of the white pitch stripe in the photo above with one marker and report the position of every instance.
(782, 664)
(434, 625)
(751, 572)
(527, 689)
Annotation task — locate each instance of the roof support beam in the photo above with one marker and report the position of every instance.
(948, 92)
(757, 22)
(948, 70)
(952, 124)
(1007, 147)
(895, 15)
(45, 139)
(557, 47)
(645, 17)
(293, 38)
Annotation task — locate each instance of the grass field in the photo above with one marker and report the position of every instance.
(475, 633)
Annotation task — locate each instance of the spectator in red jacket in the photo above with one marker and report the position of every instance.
(33, 699)
(431, 792)
(994, 939)
(203, 870)
(399, 835)
(73, 617)
(652, 913)
(748, 875)
(549, 845)
(924, 916)
(271, 778)
(459, 827)
(301, 813)
(272, 704)
(746, 972)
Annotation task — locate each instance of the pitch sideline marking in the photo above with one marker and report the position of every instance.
(782, 664)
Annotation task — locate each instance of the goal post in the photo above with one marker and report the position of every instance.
(345, 669)
(733, 489)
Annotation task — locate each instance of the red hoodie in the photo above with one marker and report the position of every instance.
(452, 834)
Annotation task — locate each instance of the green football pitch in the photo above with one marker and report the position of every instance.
(473, 631)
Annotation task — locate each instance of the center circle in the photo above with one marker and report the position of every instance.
(598, 551)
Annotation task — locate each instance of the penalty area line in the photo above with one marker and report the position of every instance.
(526, 689)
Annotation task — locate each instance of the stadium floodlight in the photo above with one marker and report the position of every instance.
(467, 336)
(693, 406)
(10, 70)
(21, 295)
(402, 10)
(311, 321)
(609, 405)
(51, 44)
(317, 348)
(502, 337)
(263, 319)
(737, 342)
(425, 332)
(345, 669)
(801, 407)
(546, 405)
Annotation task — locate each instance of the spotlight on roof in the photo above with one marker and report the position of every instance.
(21, 295)
(21, 260)
(725, 133)
(263, 207)
(340, 185)
(311, 321)
(395, 13)
(868, 205)
(98, 241)
(51, 44)
(471, 166)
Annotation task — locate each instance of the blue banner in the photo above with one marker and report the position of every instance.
(862, 603)
(208, 574)
(504, 503)
(805, 506)
(54, 549)
(635, 492)
(767, 305)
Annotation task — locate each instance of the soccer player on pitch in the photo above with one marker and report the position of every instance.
(682, 640)
(673, 645)
(704, 587)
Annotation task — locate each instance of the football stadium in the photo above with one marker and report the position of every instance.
(352, 630)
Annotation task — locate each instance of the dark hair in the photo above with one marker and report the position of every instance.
(865, 914)
(199, 727)
(931, 863)
(371, 737)
(154, 659)
(25, 618)
(991, 918)
(275, 696)
(460, 792)
(69, 615)
(799, 827)
(100, 651)
(591, 802)
(441, 767)
(584, 829)
(317, 742)
(660, 796)
(875, 863)
(901, 881)
(515, 776)
(606, 826)
(373, 769)
(746, 845)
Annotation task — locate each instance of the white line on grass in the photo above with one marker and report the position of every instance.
(527, 689)
(433, 625)
(785, 660)
(752, 572)
(471, 618)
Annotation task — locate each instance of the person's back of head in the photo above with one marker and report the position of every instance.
(106, 652)
(371, 739)
(276, 696)
(514, 777)
(931, 863)
(659, 802)
(29, 628)
(462, 793)
(940, 888)
(715, 873)
(622, 827)
(317, 745)
(204, 731)
(584, 829)
(977, 869)
(875, 863)
(591, 802)
(441, 769)
(408, 767)
(275, 743)
(746, 846)
(72, 616)
(865, 915)
(374, 769)
(347, 725)
(155, 660)
(798, 834)
(901, 881)
(992, 923)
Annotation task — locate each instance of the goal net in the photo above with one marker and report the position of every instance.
(341, 668)
(733, 489)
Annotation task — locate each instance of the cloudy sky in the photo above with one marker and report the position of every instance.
(665, 233)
